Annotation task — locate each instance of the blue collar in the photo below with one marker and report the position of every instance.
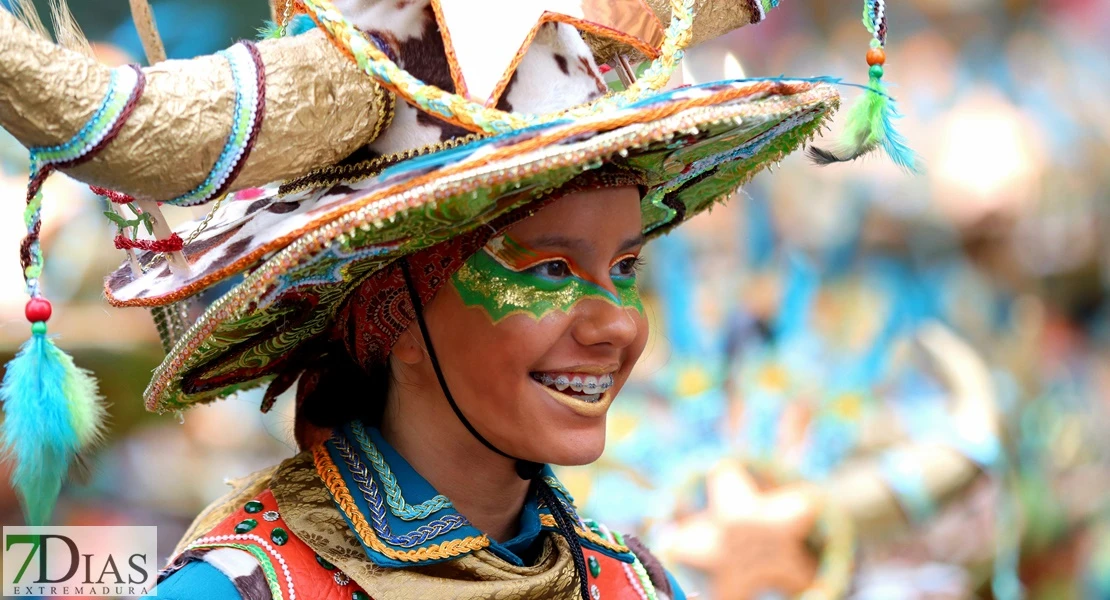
(402, 521)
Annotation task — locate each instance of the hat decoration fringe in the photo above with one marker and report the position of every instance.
(871, 119)
(53, 410)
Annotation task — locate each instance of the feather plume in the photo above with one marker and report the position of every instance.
(870, 127)
(53, 413)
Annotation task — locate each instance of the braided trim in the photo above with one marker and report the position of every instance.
(646, 587)
(461, 111)
(362, 170)
(329, 473)
(226, 541)
(250, 102)
(547, 520)
(396, 500)
(369, 489)
(125, 86)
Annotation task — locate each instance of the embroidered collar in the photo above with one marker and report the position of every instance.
(401, 520)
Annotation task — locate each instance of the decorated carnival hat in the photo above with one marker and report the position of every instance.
(337, 146)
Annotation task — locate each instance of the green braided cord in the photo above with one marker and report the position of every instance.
(393, 497)
(30, 215)
(263, 560)
(638, 568)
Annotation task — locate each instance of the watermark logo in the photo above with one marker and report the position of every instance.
(109, 562)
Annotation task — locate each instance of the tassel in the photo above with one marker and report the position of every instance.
(53, 413)
(871, 119)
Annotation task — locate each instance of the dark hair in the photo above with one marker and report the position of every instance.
(334, 391)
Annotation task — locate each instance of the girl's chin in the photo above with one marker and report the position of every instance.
(573, 448)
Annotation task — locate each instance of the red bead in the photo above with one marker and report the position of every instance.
(876, 56)
(38, 310)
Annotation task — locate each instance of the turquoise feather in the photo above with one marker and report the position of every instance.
(52, 412)
(870, 127)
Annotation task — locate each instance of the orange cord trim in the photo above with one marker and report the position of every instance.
(328, 472)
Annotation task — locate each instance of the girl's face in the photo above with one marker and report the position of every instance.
(539, 330)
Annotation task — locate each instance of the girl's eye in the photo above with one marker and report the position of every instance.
(626, 268)
(553, 269)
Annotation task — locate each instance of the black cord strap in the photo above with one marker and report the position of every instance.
(525, 469)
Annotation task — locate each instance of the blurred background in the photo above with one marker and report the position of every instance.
(860, 383)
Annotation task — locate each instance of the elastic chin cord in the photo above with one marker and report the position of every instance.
(525, 469)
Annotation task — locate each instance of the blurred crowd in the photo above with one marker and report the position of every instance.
(861, 382)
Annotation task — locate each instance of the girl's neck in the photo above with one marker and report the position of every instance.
(483, 486)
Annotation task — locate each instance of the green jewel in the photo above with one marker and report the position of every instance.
(323, 563)
(253, 506)
(595, 567)
(279, 536)
(360, 595)
(246, 525)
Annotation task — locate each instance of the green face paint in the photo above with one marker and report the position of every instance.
(507, 278)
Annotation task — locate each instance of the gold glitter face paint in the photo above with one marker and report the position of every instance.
(506, 277)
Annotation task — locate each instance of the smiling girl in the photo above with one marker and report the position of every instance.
(446, 281)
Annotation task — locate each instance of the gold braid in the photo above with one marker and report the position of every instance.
(329, 473)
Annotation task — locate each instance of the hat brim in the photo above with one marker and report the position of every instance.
(301, 255)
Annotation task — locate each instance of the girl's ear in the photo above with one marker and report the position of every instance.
(408, 348)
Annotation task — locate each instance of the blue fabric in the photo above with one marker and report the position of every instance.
(441, 525)
(676, 590)
(197, 579)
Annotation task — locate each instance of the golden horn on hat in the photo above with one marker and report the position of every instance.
(712, 18)
(319, 108)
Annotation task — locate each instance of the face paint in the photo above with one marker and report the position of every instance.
(506, 277)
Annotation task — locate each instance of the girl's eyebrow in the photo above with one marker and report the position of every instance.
(630, 243)
(559, 242)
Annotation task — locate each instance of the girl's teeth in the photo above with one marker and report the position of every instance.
(590, 385)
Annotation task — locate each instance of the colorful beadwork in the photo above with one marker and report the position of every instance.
(475, 116)
(279, 536)
(124, 88)
(397, 505)
(324, 563)
(248, 74)
(262, 554)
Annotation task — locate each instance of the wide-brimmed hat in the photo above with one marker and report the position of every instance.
(369, 130)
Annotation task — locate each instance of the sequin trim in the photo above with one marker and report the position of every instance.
(248, 75)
